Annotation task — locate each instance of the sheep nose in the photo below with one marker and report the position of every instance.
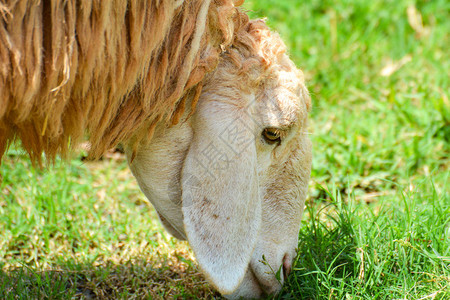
(287, 265)
(263, 275)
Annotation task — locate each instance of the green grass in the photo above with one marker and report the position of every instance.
(378, 216)
(84, 229)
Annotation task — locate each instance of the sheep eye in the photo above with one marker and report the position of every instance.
(272, 135)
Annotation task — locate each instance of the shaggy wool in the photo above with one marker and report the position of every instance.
(108, 70)
(111, 70)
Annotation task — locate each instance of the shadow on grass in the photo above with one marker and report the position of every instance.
(136, 279)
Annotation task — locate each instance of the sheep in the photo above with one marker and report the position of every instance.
(210, 110)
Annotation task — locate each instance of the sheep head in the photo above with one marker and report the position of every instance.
(232, 179)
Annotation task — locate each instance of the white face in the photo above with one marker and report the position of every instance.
(232, 179)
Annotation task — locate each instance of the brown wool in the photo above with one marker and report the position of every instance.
(111, 70)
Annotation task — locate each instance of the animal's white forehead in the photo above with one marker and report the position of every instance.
(280, 100)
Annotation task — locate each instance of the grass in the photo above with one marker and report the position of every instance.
(84, 229)
(378, 214)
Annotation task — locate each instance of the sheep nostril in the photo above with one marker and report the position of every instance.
(286, 266)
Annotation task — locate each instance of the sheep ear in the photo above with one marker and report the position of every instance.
(221, 205)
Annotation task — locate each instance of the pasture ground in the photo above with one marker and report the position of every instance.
(377, 218)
